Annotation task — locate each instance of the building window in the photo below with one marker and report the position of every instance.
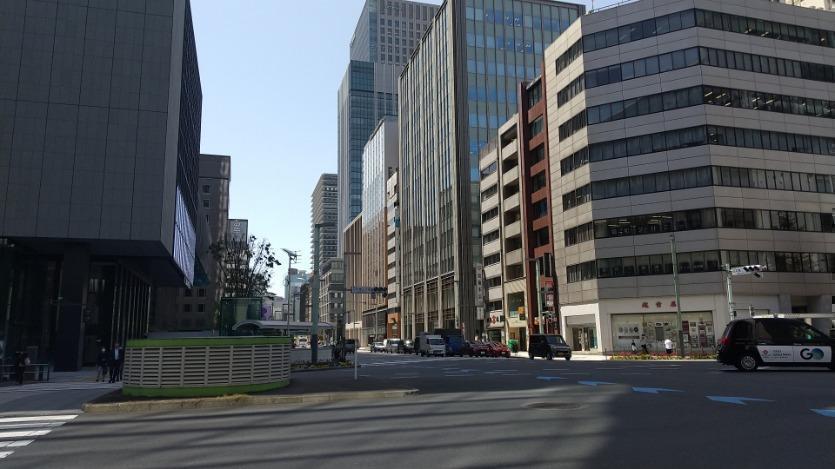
(187, 292)
(186, 308)
(201, 292)
(207, 188)
(536, 126)
(201, 307)
(205, 203)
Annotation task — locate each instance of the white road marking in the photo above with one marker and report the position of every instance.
(23, 434)
(39, 418)
(3, 454)
(30, 425)
(15, 444)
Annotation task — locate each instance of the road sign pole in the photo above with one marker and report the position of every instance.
(729, 274)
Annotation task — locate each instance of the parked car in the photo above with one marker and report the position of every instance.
(548, 346)
(454, 341)
(394, 345)
(408, 346)
(349, 346)
(750, 343)
(432, 345)
(378, 347)
(476, 349)
(498, 349)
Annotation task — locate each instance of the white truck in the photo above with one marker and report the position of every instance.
(431, 345)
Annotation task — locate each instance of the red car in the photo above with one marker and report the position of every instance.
(498, 349)
(477, 349)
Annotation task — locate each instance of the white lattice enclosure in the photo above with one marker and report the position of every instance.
(205, 366)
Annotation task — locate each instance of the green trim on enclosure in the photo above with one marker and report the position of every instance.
(207, 391)
(208, 341)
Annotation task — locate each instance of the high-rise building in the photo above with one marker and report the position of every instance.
(332, 293)
(100, 111)
(396, 325)
(458, 87)
(293, 282)
(699, 132)
(195, 308)
(384, 38)
(323, 218)
(379, 162)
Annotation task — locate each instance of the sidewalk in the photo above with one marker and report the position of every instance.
(575, 356)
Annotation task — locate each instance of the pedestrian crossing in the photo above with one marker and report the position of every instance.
(52, 387)
(18, 432)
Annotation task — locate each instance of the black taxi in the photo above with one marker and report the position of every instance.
(750, 343)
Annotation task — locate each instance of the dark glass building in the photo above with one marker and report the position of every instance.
(100, 110)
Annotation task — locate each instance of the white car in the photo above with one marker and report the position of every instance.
(378, 347)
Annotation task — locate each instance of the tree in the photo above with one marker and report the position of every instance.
(245, 266)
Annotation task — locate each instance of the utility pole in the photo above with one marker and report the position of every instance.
(731, 309)
(673, 250)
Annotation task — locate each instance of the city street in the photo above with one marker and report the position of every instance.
(479, 412)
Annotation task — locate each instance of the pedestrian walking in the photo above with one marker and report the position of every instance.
(668, 346)
(101, 364)
(117, 357)
(634, 348)
(21, 362)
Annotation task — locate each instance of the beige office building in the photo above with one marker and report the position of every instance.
(708, 120)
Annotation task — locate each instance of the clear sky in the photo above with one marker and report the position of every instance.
(270, 74)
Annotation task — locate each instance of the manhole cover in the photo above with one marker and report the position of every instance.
(553, 405)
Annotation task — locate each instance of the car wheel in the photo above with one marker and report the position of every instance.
(550, 356)
(567, 357)
(747, 362)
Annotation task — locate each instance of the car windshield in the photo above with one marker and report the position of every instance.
(555, 340)
(435, 342)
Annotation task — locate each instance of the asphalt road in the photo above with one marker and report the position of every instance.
(484, 413)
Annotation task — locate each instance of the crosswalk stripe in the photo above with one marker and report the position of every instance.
(30, 425)
(38, 418)
(15, 444)
(23, 434)
(3, 454)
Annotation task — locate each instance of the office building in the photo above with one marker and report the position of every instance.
(516, 224)
(396, 325)
(323, 219)
(100, 111)
(379, 162)
(701, 127)
(332, 293)
(195, 308)
(353, 266)
(458, 86)
(293, 282)
(383, 40)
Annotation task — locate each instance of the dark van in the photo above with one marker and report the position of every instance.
(548, 346)
(750, 343)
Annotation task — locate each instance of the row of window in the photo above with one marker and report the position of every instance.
(696, 136)
(705, 56)
(493, 259)
(489, 192)
(490, 214)
(536, 127)
(489, 169)
(490, 237)
(700, 261)
(694, 96)
(702, 176)
(639, 30)
(570, 55)
(699, 219)
(707, 19)
(534, 94)
(758, 100)
(571, 90)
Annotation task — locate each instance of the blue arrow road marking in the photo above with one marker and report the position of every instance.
(654, 390)
(548, 378)
(592, 383)
(825, 412)
(736, 400)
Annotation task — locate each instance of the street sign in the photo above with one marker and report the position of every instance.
(368, 290)
(748, 270)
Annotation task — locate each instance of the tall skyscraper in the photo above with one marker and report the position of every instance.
(100, 110)
(323, 212)
(459, 85)
(384, 38)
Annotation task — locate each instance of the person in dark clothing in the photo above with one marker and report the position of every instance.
(101, 364)
(117, 357)
(21, 362)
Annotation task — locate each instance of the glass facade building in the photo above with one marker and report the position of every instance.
(385, 35)
(461, 83)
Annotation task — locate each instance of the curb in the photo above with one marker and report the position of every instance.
(240, 400)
